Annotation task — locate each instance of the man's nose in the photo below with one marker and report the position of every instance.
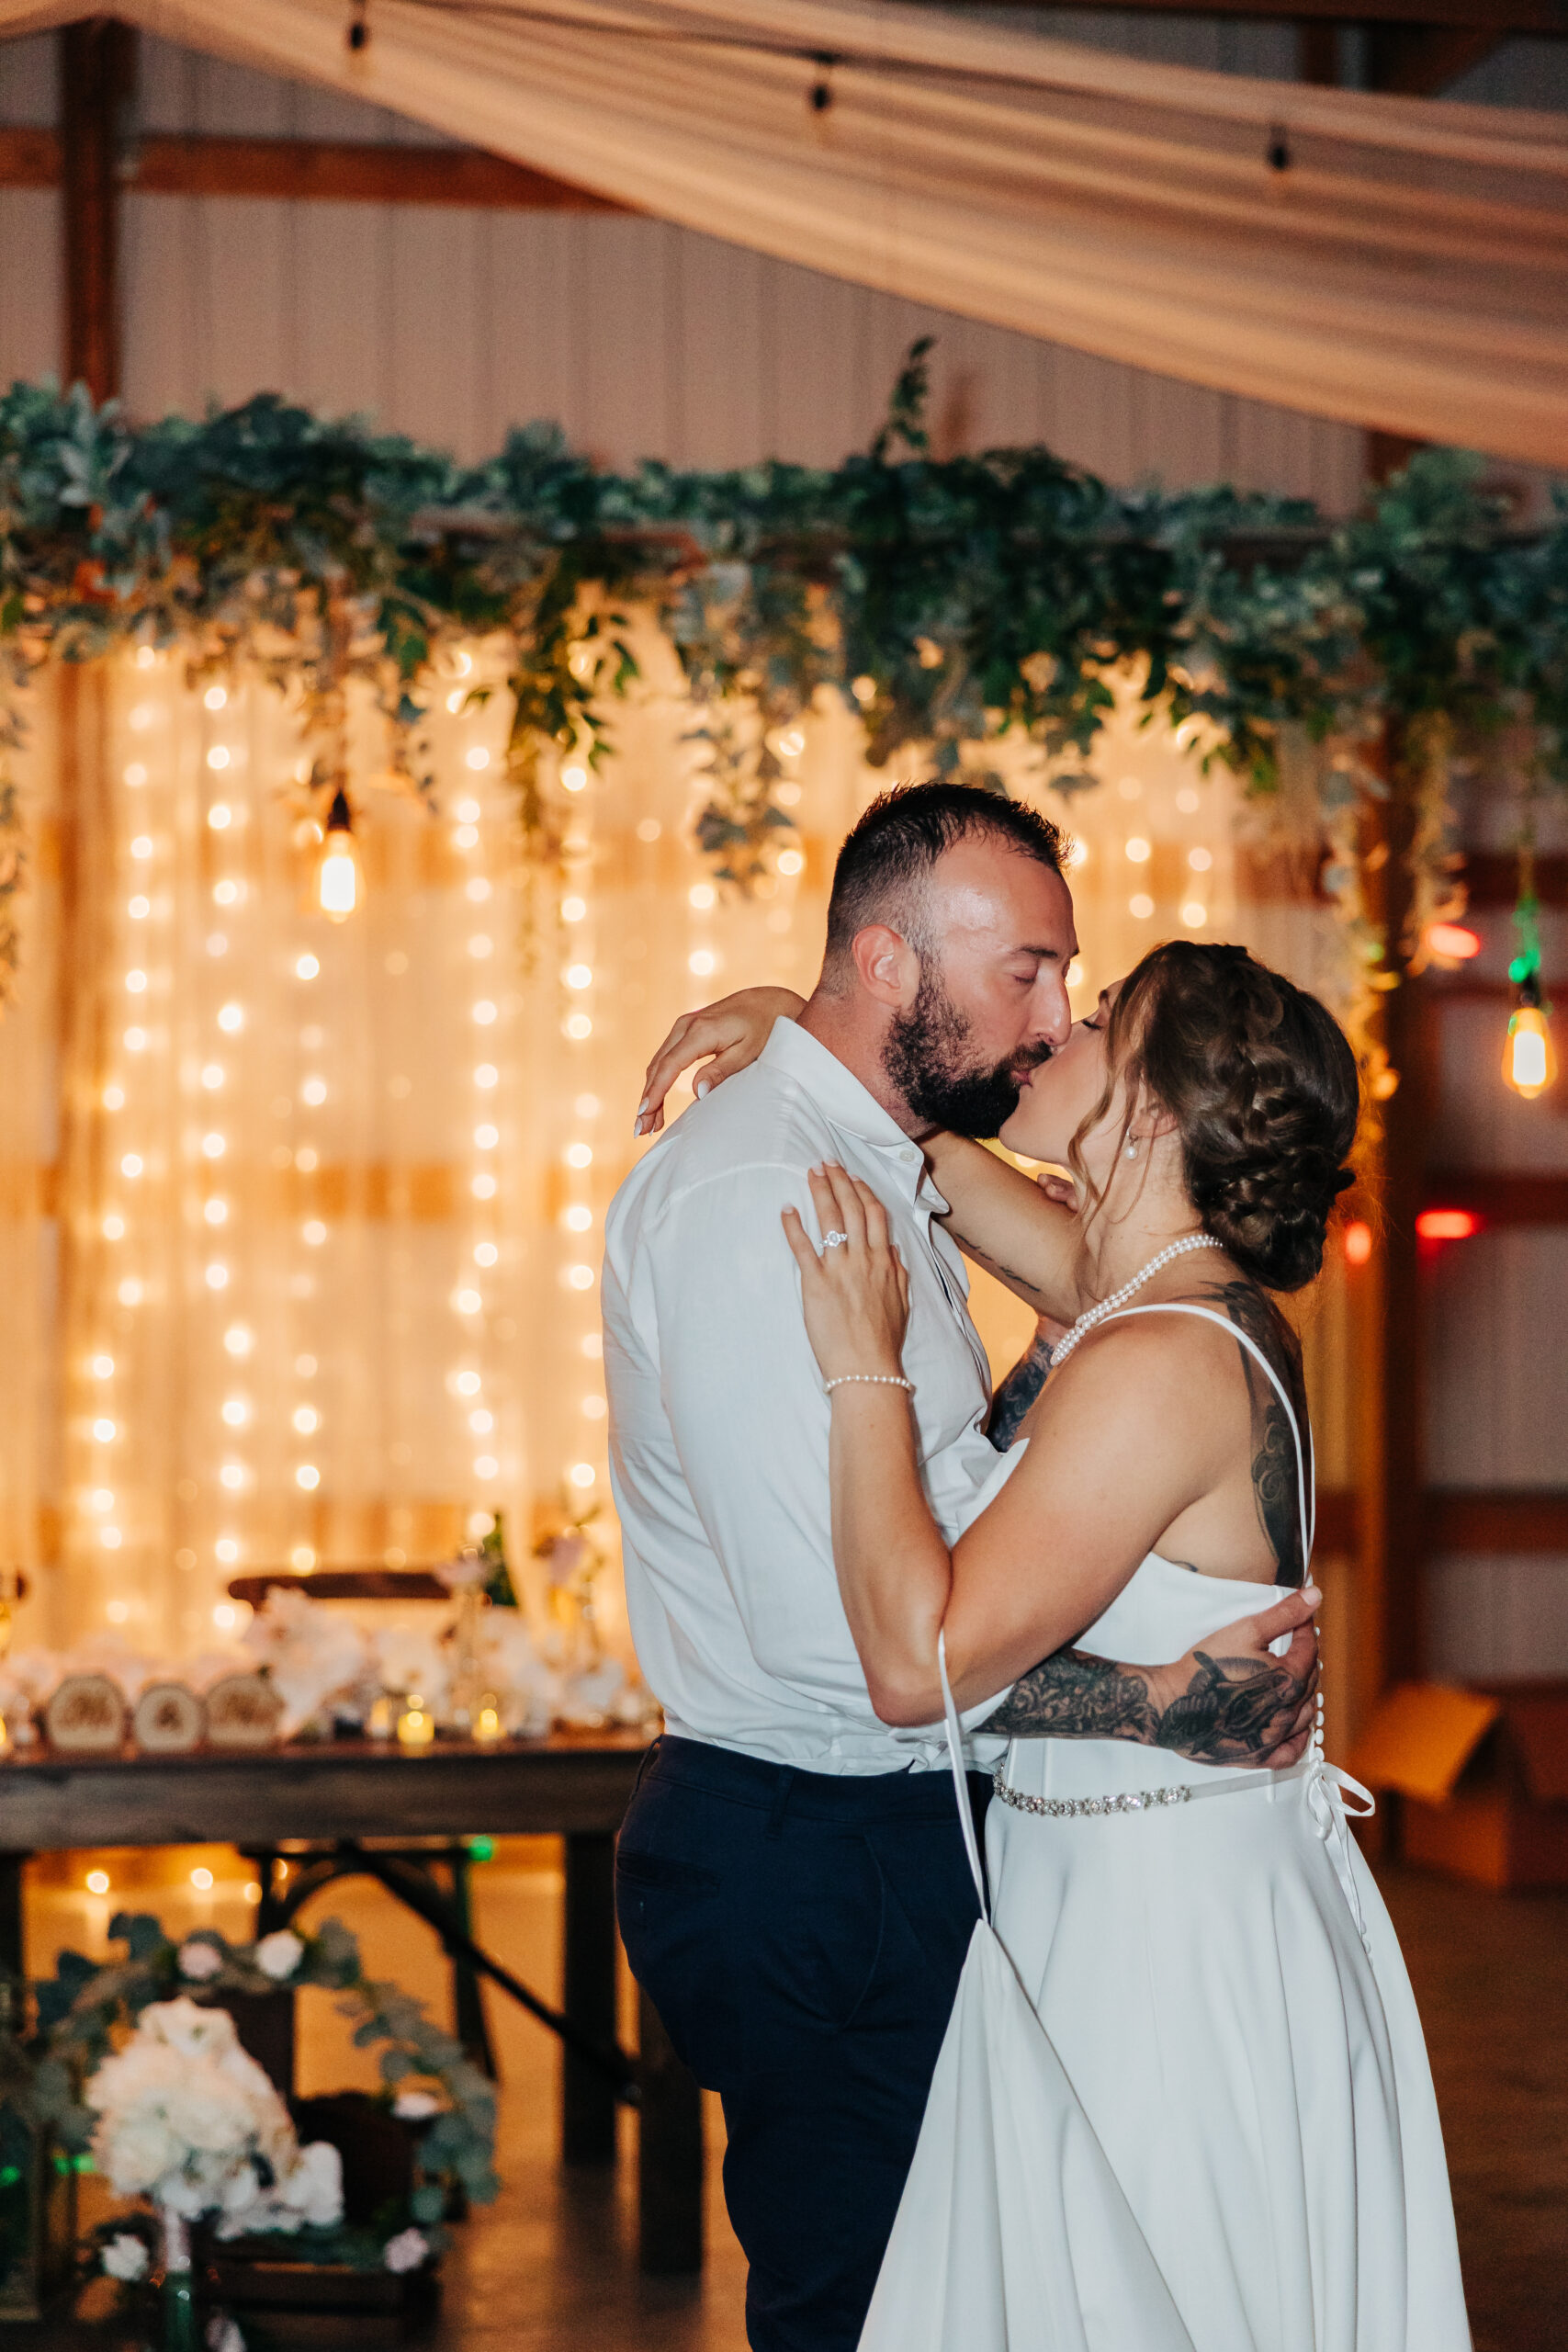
(1052, 1013)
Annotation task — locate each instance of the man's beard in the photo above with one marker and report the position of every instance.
(925, 1061)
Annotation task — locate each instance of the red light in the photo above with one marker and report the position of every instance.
(1447, 1225)
(1453, 940)
(1358, 1243)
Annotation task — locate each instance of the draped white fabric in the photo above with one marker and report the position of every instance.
(1407, 268)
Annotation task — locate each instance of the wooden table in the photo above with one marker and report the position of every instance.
(569, 1786)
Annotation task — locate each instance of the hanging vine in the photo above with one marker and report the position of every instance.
(947, 602)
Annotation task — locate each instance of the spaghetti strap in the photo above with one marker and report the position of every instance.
(1306, 1487)
(960, 1779)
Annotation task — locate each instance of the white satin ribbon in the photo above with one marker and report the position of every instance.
(1326, 1791)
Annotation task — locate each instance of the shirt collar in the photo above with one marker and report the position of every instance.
(838, 1094)
(832, 1086)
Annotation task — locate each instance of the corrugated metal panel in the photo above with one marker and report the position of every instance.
(32, 326)
(1498, 1616)
(1497, 1412)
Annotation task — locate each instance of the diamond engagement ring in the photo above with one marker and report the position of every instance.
(832, 1241)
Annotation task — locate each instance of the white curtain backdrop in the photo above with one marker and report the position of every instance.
(1408, 268)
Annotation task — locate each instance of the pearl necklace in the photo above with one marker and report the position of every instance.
(1093, 1314)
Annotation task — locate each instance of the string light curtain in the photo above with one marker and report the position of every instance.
(302, 1218)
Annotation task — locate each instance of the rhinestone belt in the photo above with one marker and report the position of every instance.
(1068, 1808)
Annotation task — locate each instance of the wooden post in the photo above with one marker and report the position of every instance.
(97, 64)
(1390, 1619)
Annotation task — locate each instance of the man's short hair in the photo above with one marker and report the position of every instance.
(889, 854)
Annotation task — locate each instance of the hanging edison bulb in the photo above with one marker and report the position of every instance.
(338, 876)
(1529, 1059)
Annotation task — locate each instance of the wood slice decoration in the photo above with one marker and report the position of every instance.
(242, 1711)
(168, 1720)
(86, 1716)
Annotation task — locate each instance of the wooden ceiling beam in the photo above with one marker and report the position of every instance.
(309, 170)
(1547, 19)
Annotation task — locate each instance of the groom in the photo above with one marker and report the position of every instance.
(791, 1886)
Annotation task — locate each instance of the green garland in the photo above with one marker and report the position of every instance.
(84, 2006)
(951, 601)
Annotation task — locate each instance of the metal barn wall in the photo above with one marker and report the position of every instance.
(640, 338)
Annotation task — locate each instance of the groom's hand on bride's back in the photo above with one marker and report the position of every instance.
(1231, 1701)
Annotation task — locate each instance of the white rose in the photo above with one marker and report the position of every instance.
(279, 1955)
(415, 2107)
(406, 2251)
(315, 2186)
(198, 1962)
(125, 2256)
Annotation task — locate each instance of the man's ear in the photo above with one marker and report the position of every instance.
(887, 967)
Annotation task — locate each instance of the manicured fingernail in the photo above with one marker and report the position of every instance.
(636, 1124)
(1311, 1594)
(642, 1106)
(703, 1085)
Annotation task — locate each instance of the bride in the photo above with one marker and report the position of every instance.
(1183, 2104)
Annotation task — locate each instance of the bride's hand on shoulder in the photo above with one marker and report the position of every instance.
(728, 1034)
(854, 1290)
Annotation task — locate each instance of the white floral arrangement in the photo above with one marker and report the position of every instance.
(187, 2119)
(177, 2111)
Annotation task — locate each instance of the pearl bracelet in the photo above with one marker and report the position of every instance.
(877, 1379)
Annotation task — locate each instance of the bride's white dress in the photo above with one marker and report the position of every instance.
(1183, 2104)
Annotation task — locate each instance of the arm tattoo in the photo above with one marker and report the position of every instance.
(1017, 1392)
(1274, 1484)
(1233, 1710)
(1009, 1275)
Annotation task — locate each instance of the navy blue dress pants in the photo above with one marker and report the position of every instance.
(801, 1936)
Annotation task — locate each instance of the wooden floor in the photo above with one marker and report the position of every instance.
(552, 2267)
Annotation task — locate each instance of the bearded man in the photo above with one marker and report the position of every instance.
(791, 1882)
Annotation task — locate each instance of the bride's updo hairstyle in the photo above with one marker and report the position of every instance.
(1261, 1083)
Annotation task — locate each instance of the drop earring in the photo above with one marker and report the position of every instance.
(1132, 1147)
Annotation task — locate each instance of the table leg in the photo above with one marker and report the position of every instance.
(469, 2023)
(588, 2096)
(670, 2152)
(13, 1953)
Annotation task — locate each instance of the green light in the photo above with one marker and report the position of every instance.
(482, 1849)
(9, 2176)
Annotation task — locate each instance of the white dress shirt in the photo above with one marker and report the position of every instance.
(719, 1425)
